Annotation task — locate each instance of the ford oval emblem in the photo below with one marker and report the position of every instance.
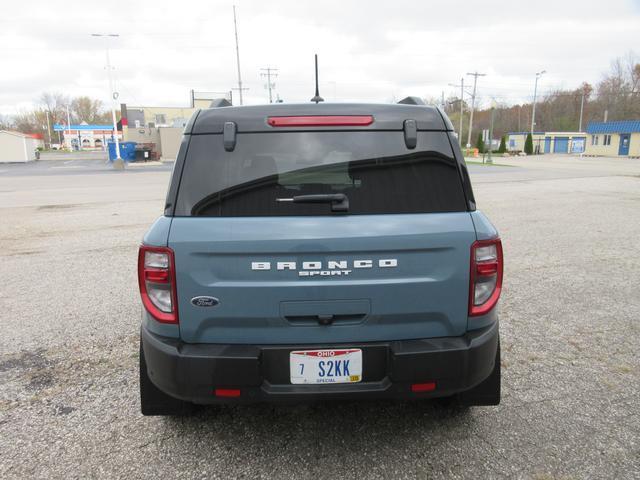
(205, 301)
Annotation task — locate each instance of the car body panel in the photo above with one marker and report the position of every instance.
(425, 295)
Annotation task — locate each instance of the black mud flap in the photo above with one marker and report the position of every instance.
(154, 401)
(488, 391)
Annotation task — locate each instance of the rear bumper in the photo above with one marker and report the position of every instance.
(193, 371)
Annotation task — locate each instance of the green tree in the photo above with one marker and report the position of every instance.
(528, 144)
(503, 145)
(480, 143)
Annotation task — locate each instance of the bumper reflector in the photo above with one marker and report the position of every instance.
(423, 387)
(227, 392)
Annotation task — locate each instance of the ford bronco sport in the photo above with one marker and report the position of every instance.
(316, 252)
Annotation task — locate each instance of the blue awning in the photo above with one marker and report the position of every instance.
(622, 126)
(62, 128)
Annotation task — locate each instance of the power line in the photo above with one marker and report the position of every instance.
(269, 72)
(461, 105)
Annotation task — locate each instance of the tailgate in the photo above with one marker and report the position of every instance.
(322, 279)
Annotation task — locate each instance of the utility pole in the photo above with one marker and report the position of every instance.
(269, 73)
(235, 26)
(461, 105)
(581, 110)
(473, 103)
(118, 163)
(69, 127)
(535, 93)
(48, 127)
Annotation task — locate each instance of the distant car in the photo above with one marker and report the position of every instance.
(56, 146)
(316, 252)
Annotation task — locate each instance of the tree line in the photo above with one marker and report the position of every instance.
(616, 96)
(54, 105)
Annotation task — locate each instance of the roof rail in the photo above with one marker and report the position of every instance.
(412, 101)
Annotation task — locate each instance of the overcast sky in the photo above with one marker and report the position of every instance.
(369, 50)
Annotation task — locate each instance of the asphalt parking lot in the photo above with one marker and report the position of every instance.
(570, 322)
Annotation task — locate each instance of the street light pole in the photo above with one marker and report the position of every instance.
(535, 93)
(118, 163)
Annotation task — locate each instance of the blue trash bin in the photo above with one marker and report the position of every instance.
(111, 148)
(127, 151)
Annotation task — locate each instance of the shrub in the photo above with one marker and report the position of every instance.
(503, 145)
(480, 143)
(528, 144)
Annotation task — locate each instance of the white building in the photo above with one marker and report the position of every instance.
(18, 147)
(85, 136)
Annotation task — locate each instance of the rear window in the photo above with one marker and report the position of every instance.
(374, 169)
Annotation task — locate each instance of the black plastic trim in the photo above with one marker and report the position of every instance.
(178, 167)
(410, 133)
(229, 136)
(193, 371)
(254, 118)
(463, 171)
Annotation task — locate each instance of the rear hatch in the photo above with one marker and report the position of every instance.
(393, 265)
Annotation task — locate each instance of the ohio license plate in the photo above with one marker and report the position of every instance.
(326, 366)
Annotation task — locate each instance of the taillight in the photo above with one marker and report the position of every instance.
(322, 121)
(157, 280)
(486, 276)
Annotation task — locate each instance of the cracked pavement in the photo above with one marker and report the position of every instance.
(569, 324)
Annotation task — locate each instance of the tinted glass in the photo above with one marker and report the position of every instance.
(374, 169)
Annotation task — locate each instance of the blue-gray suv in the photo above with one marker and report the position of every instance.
(319, 252)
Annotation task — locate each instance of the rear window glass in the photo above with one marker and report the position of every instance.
(373, 169)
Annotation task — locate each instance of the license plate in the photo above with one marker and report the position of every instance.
(326, 366)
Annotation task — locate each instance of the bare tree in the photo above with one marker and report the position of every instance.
(56, 104)
(6, 122)
(619, 90)
(88, 110)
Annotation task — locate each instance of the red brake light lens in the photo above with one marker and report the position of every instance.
(423, 387)
(157, 282)
(322, 121)
(159, 276)
(486, 276)
(227, 392)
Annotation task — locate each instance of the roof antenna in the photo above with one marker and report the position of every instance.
(317, 98)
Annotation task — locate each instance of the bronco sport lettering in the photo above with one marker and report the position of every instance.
(335, 267)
